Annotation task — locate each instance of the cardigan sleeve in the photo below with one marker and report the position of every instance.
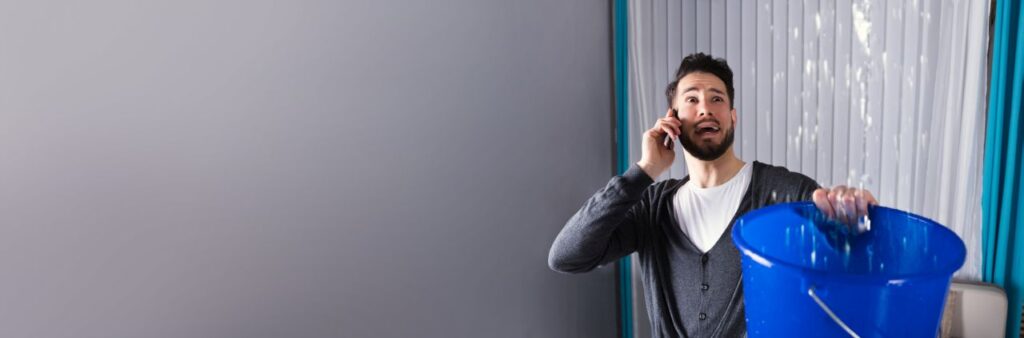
(606, 228)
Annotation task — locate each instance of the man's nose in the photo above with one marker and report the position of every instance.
(702, 109)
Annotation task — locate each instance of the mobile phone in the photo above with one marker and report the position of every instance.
(668, 139)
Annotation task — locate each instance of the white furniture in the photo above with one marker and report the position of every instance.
(975, 310)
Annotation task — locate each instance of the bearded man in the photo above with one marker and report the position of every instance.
(681, 228)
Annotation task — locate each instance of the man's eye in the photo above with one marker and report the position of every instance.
(717, 99)
(691, 99)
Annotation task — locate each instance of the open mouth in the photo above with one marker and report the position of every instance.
(707, 128)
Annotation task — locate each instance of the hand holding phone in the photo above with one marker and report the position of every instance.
(656, 151)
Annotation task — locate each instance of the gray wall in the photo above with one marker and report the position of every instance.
(300, 168)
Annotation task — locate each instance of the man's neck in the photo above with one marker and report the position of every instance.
(706, 174)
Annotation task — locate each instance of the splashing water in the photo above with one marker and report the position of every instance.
(862, 24)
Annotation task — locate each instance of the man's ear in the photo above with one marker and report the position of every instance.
(733, 113)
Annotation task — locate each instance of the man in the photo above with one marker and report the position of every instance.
(681, 229)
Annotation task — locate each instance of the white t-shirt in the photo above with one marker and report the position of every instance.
(704, 213)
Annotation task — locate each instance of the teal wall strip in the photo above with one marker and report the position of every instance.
(991, 176)
(1003, 177)
(620, 14)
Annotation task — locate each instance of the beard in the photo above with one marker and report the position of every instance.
(707, 151)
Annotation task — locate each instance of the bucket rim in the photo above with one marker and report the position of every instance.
(746, 250)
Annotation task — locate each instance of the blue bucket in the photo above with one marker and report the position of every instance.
(805, 276)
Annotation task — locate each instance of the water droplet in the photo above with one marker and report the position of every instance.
(862, 26)
(871, 259)
(846, 254)
(865, 180)
(802, 235)
(925, 241)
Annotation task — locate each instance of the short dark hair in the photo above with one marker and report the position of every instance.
(700, 62)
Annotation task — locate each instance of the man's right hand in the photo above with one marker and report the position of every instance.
(656, 156)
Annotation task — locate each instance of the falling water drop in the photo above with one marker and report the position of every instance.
(871, 259)
(846, 254)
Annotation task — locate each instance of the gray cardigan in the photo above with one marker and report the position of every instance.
(688, 293)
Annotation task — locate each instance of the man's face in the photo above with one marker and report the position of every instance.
(704, 109)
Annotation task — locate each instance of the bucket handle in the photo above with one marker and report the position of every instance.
(814, 296)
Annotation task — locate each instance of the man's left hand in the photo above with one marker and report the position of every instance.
(844, 204)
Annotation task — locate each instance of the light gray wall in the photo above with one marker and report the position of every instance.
(300, 168)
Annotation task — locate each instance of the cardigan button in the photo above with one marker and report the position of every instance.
(703, 316)
(704, 258)
(704, 286)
